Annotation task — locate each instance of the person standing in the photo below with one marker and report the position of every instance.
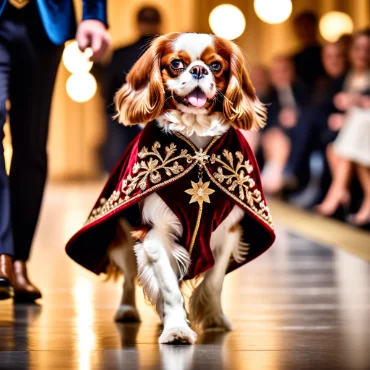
(118, 136)
(32, 34)
(307, 61)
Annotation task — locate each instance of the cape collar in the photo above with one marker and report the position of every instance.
(161, 159)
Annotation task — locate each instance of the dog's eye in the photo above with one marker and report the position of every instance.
(177, 64)
(215, 66)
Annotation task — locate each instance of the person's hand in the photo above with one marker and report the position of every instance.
(288, 117)
(336, 121)
(92, 33)
(343, 101)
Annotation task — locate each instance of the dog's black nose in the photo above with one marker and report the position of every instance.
(198, 71)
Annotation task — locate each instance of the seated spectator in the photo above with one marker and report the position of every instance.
(313, 135)
(351, 148)
(334, 61)
(287, 101)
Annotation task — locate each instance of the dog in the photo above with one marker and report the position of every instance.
(193, 88)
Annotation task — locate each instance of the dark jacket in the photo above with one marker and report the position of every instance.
(308, 65)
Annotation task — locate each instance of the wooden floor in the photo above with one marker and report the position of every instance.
(300, 306)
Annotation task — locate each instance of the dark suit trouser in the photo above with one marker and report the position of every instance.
(28, 67)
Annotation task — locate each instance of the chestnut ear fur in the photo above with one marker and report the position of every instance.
(142, 98)
(241, 105)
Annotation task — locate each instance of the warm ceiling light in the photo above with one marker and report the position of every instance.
(334, 24)
(227, 21)
(81, 87)
(273, 11)
(75, 60)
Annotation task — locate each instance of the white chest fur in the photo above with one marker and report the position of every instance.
(199, 128)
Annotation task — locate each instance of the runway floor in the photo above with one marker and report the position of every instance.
(300, 306)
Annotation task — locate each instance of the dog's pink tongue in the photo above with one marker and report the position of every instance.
(197, 98)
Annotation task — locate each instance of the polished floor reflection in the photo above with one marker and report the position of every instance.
(300, 306)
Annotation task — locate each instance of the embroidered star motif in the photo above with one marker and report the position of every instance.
(200, 192)
(201, 157)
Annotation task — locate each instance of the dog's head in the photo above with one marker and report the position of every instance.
(192, 73)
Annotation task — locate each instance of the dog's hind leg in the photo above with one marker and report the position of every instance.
(122, 254)
(205, 302)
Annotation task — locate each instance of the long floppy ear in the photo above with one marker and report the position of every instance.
(141, 99)
(241, 105)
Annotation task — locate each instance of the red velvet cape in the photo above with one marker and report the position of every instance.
(169, 164)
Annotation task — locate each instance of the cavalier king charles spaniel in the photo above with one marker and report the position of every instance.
(196, 85)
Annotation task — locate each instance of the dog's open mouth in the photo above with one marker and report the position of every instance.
(197, 98)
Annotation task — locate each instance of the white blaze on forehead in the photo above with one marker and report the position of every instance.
(193, 43)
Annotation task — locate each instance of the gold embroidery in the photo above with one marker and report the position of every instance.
(201, 157)
(110, 205)
(238, 179)
(149, 171)
(200, 192)
(197, 224)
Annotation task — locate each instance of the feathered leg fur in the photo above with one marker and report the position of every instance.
(169, 263)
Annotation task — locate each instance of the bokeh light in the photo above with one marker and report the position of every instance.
(334, 24)
(75, 60)
(227, 21)
(81, 87)
(273, 11)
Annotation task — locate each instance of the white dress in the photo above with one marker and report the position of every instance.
(353, 140)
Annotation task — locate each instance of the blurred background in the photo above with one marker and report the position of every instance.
(282, 50)
(303, 305)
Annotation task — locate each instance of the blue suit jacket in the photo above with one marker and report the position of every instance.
(58, 16)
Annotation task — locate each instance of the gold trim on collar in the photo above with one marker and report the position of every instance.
(237, 180)
(195, 148)
(114, 201)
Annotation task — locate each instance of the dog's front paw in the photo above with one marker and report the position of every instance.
(127, 313)
(178, 334)
(217, 323)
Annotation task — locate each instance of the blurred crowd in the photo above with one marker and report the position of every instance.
(315, 149)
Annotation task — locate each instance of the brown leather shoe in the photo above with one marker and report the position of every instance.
(24, 290)
(6, 277)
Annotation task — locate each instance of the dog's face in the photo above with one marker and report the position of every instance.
(192, 73)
